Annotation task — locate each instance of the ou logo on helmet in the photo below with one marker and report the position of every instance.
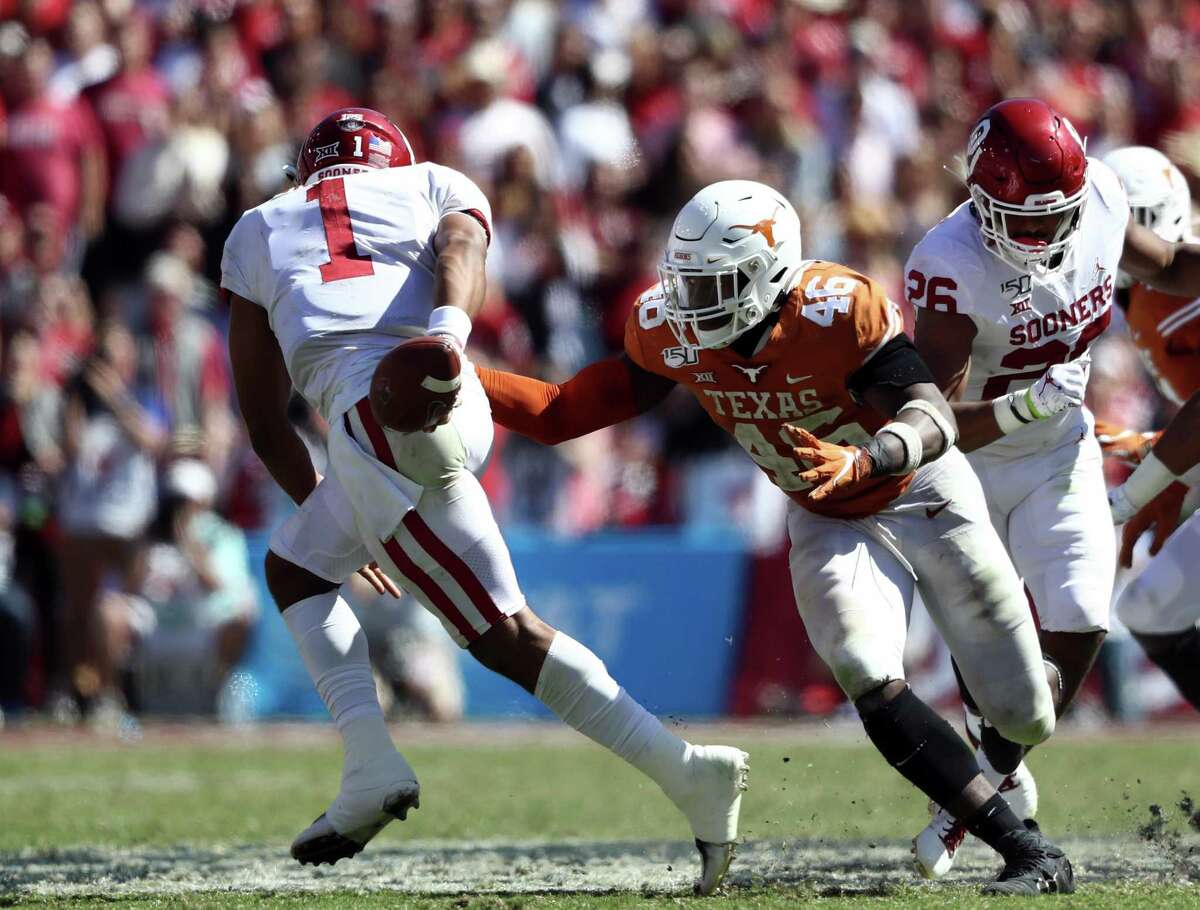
(975, 143)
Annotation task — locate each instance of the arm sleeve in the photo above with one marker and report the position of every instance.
(598, 396)
(456, 192)
(897, 364)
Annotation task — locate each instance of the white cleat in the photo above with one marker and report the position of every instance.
(1019, 789)
(711, 799)
(935, 848)
(370, 798)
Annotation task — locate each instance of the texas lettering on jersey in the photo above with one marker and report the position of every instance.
(830, 324)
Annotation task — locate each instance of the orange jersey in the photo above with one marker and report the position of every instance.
(831, 323)
(1166, 330)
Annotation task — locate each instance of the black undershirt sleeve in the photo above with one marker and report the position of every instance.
(897, 363)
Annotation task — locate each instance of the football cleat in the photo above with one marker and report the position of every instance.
(1033, 866)
(711, 799)
(714, 863)
(935, 848)
(371, 797)
(1019, 789)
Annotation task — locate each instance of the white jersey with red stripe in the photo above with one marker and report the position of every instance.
(343, 267)
(1025, 322)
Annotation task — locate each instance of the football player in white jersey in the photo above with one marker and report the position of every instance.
(1160, 606)
(1162, 600)
(324, 280)
(1011, 289)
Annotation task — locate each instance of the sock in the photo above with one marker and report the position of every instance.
(993, 822)
(576, 686)
(1003, 755)
(334, 649)
(918, 743)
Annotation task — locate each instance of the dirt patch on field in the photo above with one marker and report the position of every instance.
(821, 866)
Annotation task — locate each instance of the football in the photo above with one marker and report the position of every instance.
(415, 385)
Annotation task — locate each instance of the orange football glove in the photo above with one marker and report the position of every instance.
(1160, 513)
(834, 467)
(1130, 446)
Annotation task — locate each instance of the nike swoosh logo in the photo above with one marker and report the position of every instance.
(936, 510)
(792, 381)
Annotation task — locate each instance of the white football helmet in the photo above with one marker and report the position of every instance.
(1159, 197)
(734, 248)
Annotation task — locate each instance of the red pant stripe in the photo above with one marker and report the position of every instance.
(434, 594)
(383, 451)
(452, 563)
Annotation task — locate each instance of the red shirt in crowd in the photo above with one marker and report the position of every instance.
(132, 108)
(40, 157)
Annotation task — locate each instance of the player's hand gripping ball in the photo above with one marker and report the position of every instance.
(415, 386)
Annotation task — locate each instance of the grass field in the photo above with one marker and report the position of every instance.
(533, 817)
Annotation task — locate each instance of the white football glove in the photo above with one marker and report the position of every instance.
(1061, 387)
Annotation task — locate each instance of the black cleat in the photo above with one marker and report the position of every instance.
(321, 843)
(1032, 866)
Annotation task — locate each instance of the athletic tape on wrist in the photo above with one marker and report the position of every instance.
(1008, 418)
(910, 438)
(1149, 479)
(450, 320)
(946, 427)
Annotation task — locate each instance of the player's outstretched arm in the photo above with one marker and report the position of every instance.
(1176, 456)
(263, 389)
(600, 395)
(1173, 268)
(944, 341)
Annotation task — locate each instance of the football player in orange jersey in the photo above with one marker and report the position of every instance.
(805, 363)
(1159, 606)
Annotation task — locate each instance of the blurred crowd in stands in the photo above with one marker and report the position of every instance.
(133, 134)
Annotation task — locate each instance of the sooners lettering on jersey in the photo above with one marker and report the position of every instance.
(1023, 322)
(832, 322)
(1166, 330)
(344, 267)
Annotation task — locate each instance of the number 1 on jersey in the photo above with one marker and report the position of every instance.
(345, 261)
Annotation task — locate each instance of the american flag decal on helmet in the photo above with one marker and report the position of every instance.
(382, 146)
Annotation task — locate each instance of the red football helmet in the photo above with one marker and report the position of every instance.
(1027, 174)
(353, 139)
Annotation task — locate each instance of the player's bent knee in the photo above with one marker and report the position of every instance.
(862, 669)
(1029, 724)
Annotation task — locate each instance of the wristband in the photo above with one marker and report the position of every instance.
(450, 320)
(914, 449)
(946, 427)
(1006, 417)
(1149, 479)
